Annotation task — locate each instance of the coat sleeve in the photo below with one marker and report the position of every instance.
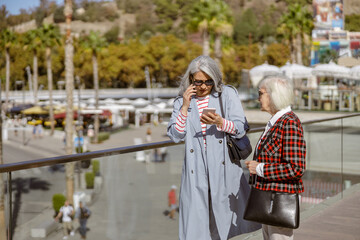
(234, 111)
(293, 150)
(174, 134)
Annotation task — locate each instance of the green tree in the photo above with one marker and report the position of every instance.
(33, 42)
(49, 36)
(352, 22)
(169, 58)
(7, 40)
(3, 15)
(94, 42)
(277, 54)
(296, 23)
(210, 17)
(246, 25)
(167, 11)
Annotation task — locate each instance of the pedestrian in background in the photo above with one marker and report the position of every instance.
(82, 213)
(209, 179)
(280, 164)
(172, 201)
(67, 213)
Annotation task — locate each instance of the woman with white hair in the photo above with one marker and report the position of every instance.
(213, 190)
(280, 152)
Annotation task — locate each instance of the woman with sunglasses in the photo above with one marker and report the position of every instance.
(213, 189)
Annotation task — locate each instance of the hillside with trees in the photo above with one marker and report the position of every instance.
(163, 35)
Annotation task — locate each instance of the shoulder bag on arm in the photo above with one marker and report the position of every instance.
(239, 148)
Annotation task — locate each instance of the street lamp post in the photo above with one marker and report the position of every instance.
(21, 82)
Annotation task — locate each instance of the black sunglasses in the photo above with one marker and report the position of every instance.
(208, 82)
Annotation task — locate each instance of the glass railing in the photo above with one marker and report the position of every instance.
(129, 194)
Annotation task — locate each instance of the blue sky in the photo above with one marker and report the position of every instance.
(14, 6)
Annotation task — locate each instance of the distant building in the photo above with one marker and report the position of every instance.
(329, 33)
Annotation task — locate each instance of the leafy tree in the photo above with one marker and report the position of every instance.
(277, 54)
(167, 11)
(94, 43)
(294, 25)
(246, 27)
(352, 22)
(49, 36)
(169, 58)
(328, 55)
(3, 15)
(112, 36)
(239, 58)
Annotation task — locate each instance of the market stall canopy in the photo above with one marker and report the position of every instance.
(331, 69)
(259, 72)
(355, 72)
(36, 110)
(19, 108)
(296, 71)
(347, 61)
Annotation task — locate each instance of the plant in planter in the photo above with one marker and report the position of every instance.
(96, 167)
(58, 201)
(89, 178)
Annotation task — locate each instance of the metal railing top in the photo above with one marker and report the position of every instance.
(121, 150)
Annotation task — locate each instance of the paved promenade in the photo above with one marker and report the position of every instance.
(334, 218)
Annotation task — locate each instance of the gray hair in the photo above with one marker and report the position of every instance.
(205, 64)
(280, 91)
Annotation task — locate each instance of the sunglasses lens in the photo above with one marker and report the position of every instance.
(209, 82)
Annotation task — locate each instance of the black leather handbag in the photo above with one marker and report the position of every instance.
(273, 208)
(239, 148)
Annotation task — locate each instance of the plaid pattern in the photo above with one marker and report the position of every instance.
(284, 156)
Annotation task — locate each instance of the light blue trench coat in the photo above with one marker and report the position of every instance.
(210, 171)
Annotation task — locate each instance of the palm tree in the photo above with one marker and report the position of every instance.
(69, 78)
(94, 43)
(7, 39)
(293, 26)
(221, 25)
(32, 42)
(49, 36)
(211, 17)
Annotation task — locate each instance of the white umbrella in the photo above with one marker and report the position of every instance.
(259, 72)
(124, 101)
(296, 71)
(355, 72)
(331, 69)
(140, 102)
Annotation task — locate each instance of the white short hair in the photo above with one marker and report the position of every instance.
(280, 90)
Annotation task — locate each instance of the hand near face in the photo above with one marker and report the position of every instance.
(212, 118)
(190, 91)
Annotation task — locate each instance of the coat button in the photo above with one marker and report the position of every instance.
(191, 150)
(223, 162)
(192, 171)
(220, 141)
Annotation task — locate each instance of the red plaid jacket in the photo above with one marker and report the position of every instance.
(284, 156)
